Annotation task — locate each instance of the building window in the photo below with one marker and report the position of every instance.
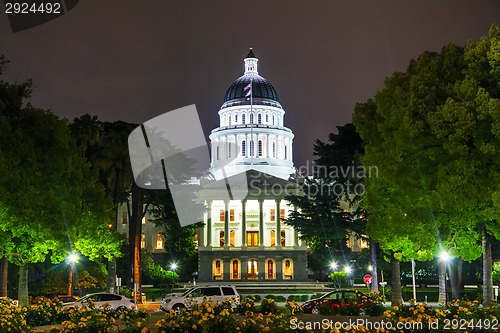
(260, 147)
(274, 149)
(235, 269)
(243, 148)
(288, 269)
(285, 153)
(124, 217)
(217, 269)
(273, 215)
(235, 118)
(243, 118)
(221, 238)
(267, 118)
(251, 148)
(222, 217)
(273, 120)
(144, 220)
(217, 153)
(252, 238)
(270, 271)
(251, 118)
(259, 119)
(143, 241)
(282, 214)
(231, 238)
(231, 215)
(196, 242)
(273, 238)
(283, 238)
(229, 149)
(229, 121)
(252, 269)
(159, 241)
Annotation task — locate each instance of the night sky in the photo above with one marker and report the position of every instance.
(134, 60)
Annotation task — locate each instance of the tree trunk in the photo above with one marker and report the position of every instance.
(111, 279)
(487, 270)
(373, 263)
(4, 277)
(442, 281)
(135, 232)
(396, 295)
(23, 285)
(456, 279)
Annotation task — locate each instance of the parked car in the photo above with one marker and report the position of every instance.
(218, 294)
(335, 298)
(116, 302)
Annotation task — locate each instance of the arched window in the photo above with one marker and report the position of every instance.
(273, 120)
(243, 148)
(252, 269)
(283, 238)
(243, 118)
(251, 148)
(260, 148)
(221, 238)
(259, 119)
(285, 153)
(217, 153)
(217, 269)
(229, 121)
(287, 269)
(231, 238)
(270, 271)
(235, 269)
(274, 149)
(267, 118)
(273, 237)
(251, 118)
(235, 118)
(229, 149)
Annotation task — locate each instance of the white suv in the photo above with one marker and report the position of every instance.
(218, 294)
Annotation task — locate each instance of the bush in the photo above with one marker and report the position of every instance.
(268, 306)
(277, 298)
(247, 305)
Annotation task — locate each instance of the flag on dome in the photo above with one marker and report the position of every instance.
(249, 88)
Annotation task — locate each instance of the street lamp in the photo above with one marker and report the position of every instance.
(348, 269)
(333, 265)
(444, 258)
(72, 258)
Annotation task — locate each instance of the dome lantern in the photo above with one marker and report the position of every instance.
(251, 63)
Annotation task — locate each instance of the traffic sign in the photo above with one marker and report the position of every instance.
(368, 279)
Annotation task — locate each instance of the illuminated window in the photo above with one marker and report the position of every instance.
(144, 220)
(143, 241)
(231, 215)
(231, 238)
(159, 241)
(235, 269)
(124, 217)
(288, 269)
(283, 238)
(217, 269)
(221, 238)
(270, 272)
(252, 269)
(273, 238)
(282, 214)
(260, 147)
(222, 215)
(196, 240)
(273, 215)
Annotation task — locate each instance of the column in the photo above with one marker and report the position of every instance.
(247, 146)
(278, 224)
(261, 223)
(295, 233)
(201, 237)
(226, 224)
(236, 147)
(277, 147)
(243, 224)
(209, 224)
(267, 146)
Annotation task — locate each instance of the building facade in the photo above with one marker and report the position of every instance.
(245, 239)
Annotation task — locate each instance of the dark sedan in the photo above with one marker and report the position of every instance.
(335, 299)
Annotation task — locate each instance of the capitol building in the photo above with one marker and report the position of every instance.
(243, 237)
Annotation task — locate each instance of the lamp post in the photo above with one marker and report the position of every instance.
(348, 271)
(173, 267)
(72, 258)
(444, 258)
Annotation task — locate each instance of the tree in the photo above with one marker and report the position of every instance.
(431, 131)
(50, 201)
